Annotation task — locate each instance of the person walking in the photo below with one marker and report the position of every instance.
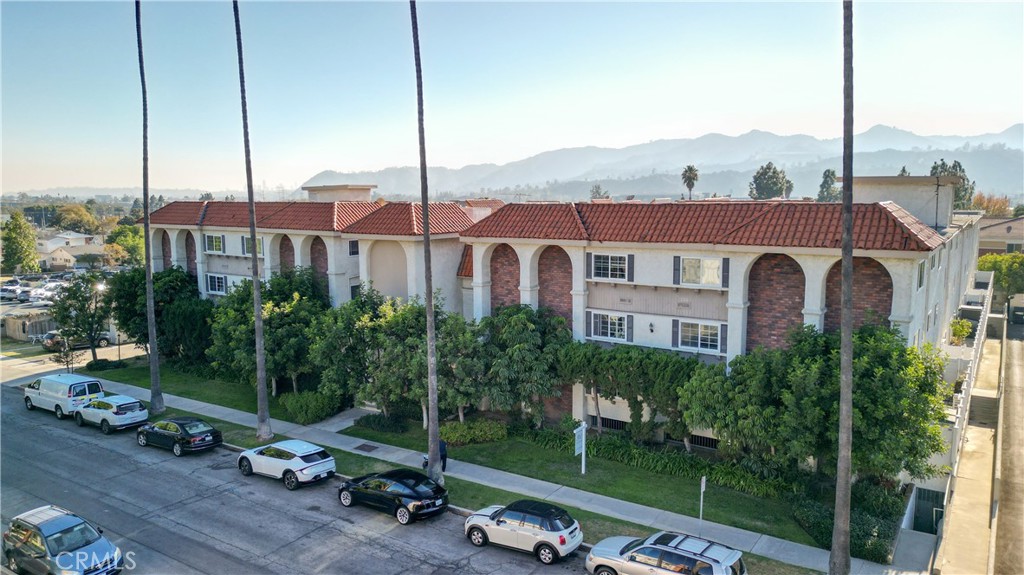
(444, 456)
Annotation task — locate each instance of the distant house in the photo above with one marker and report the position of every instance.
(59, 251)
(1001, 235)
(49, 240)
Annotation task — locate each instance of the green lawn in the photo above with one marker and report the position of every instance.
(20, 349)
(241, 396)
(669, 492)
(471, 495)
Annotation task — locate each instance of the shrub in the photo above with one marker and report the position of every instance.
(309, 406)
(383, 423)
(959, 330)
(105, 364)
(874, 499)
(479, 431)
(871, 538)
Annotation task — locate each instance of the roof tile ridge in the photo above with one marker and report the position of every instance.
(772, 205)
(202, 212)
(889, 207)
(579, 221)
(412, 211)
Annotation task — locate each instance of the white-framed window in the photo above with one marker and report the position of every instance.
(698, 336)
(611, 267)
(353, 247)
(247, 246)
(216, 284)
(920, 274)
(213, 243)
(609, 326)
(696, 271)
(933, 261)
(1013, 248)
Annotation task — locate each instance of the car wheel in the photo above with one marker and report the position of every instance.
(245, 467)
(103, 343)
(28, 404)
(605, 571)
(79, 420)
(402, 515)
(105, 427)
(141, 438)
(290, 480)
(12, 563)
(176, 450)
(58, 412)
(477, 536)
(546, 554)
(345, 496)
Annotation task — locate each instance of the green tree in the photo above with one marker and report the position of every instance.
(185, 332)
(460, 365)
(598, 193)
(82, 310)
(625, 373)
(963, 191)
(206, 197)
(233, 342)
(303, 281)
(903, 172)
(288, 348)
(135, 213)
(127, 294)
(1018, 210)
(132, 240)
(1009, 272)
(580, 362)
(770, 182)
(667, 372)
(19, 246)
(827, 191)
(76, 218)
(690, 176)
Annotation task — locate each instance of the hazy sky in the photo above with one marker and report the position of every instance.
(331, 85)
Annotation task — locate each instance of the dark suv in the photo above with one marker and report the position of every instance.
(54, 540)
(53, 341)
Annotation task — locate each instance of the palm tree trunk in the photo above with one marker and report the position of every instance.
(263, 430)
(434, 459)
(597, 408)
(156, 397)
(839, 559)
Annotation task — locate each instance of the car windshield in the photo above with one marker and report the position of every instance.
(423, 487)
(317, 456)
(561, 521)
(74, 537)
(631, 546)
(198, 427)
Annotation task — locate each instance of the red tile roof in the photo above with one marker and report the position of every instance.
(312, 216)
(466, 263)
(881, 226)
(406, 219)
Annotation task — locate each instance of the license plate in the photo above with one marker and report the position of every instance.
(439, 502)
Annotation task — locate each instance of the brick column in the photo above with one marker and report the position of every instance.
(816, 270)
(482, 280)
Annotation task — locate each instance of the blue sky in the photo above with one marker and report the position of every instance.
(330, 85)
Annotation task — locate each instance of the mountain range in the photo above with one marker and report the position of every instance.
(726, 163)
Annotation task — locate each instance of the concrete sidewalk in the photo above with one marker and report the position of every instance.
(912, 556)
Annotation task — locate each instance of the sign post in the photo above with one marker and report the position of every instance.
(581, 444)
(703, 484)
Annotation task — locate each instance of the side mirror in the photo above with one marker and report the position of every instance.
(37, 554)
(99, 530)
(500, 522)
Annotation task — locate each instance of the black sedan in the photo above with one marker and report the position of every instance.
(180, 434)
(404, 493)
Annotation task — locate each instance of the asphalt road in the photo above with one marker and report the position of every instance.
(197, 514)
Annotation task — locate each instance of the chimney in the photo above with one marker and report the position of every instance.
(928, 198)
(341, 193)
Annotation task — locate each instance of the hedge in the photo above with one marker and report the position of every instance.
(871, 538)
(309, 406)
(105, 364)
(383, 423)
(479, 431)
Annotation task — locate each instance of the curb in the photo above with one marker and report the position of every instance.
(453, 509)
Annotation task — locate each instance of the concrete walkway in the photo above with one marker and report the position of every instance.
(911, 557)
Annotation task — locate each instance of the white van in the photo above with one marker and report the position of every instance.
(63, 394)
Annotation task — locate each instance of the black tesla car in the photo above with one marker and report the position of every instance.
(180, 434)
(404, 493)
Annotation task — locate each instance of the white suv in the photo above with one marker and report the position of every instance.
(536, 527)
(293, 461)
(664, 552)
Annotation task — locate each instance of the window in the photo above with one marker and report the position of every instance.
(353, 247)
(512, 517)
(216, 284)
(696, 335)
(646, 556)
(1013, 248)
(353, 292)
(698, 271)
(610, 267)
(247, 246)
(933, 261)
(609, 326)
(920, 275)
(677, 563)
(214, 243)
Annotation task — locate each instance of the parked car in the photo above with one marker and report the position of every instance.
(112, 413)
(53, 341)
(10, 292)
(54, 540)
(63, 393)
(663, 552)
(537, 527)
(404, 493)
(180, 434)
(24, 295)
(12, 282)
(293, 461)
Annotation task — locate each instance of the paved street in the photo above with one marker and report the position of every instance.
(197, 514)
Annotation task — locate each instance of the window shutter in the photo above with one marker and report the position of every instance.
(677, 262)
(723, 338)
(243, 247)
(590, 274)
(675, 332)
(629, 320)
(725, 272)
(629, 269)
(224, 242)
(589, 321)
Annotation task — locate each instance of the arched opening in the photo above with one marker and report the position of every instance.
(554, 281)
(388, 268)
(165, 247)
(286, 253)
(872, 294)
(504, 277)
(776, 295)
(318, 257)
(190, 254)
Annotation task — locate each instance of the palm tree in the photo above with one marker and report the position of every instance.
(263, 431)
(839, 558)
(690, 177)
(156, 397)
(433, 446)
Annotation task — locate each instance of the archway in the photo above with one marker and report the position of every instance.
(872, 294)
(504, 267)
(776, 295)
